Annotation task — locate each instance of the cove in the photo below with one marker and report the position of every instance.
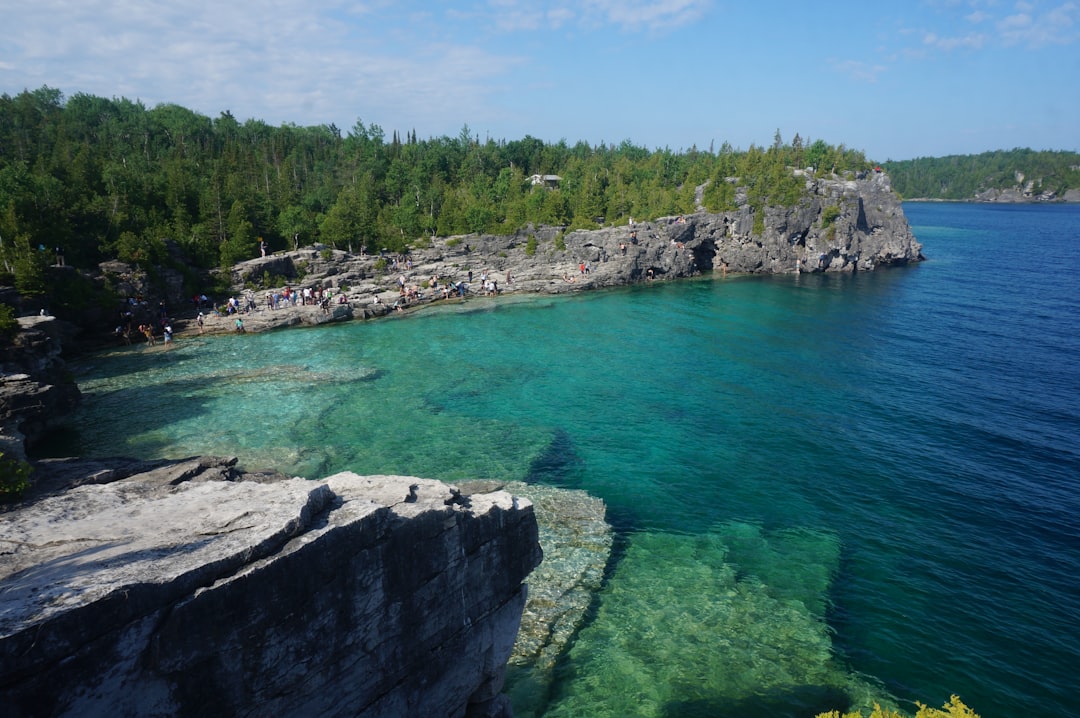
(827, 489)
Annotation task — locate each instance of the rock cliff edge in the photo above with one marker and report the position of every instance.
(840, 224)
(192, 590)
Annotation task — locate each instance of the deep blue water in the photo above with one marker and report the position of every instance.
(828, 489)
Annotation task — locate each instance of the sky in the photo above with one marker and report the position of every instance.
(897, 80)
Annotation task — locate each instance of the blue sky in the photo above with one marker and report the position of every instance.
(897, 80)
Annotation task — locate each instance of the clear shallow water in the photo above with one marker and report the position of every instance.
(827, 489)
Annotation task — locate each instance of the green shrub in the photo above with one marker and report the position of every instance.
(954, 708)
(14, 477)
(8, 324)
(560, 241)
(829, 215)
(759, 221)
(453, 242)
(530, 246)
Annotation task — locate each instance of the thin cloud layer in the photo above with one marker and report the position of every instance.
(658, 72)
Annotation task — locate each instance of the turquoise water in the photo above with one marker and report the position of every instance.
(828, 490)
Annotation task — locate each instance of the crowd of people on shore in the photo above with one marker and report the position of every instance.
(411, 290)
(126, 328)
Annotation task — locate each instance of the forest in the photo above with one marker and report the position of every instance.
(103, 178)
(961, 177)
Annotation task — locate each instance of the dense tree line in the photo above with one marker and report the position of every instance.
(961, 177)
(109, 178)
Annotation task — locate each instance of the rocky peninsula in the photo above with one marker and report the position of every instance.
(842, 224)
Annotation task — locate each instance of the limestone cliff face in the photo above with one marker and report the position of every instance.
(181, 591)
(36, 388)
(841, 225)
(855, 223)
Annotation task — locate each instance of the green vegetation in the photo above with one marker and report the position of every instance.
(829, 215)
(8, 324)
(961, 177)
(14, 478)
(955, 708)
(110, 178)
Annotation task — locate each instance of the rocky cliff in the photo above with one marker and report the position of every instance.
(855, 223)
(1025, 190)
(36, 388)
(191, 589)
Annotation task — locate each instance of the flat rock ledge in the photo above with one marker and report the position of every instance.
(185, 590)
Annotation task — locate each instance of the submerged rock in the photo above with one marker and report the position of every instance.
(577, 543)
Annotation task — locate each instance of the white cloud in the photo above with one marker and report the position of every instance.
(303, 61)
(1032, 24)
(631, 15)
(648, 14)
(858, 70)
(557, 17)
(971, 41)
(1056, 26)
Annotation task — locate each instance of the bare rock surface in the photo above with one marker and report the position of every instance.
(187, 590)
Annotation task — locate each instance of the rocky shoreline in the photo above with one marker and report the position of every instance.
(842, 225)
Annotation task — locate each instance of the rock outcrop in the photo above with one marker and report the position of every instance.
(190, 589)
(36, 388)
(1025, 190)
(847, 224)
(577, 543)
